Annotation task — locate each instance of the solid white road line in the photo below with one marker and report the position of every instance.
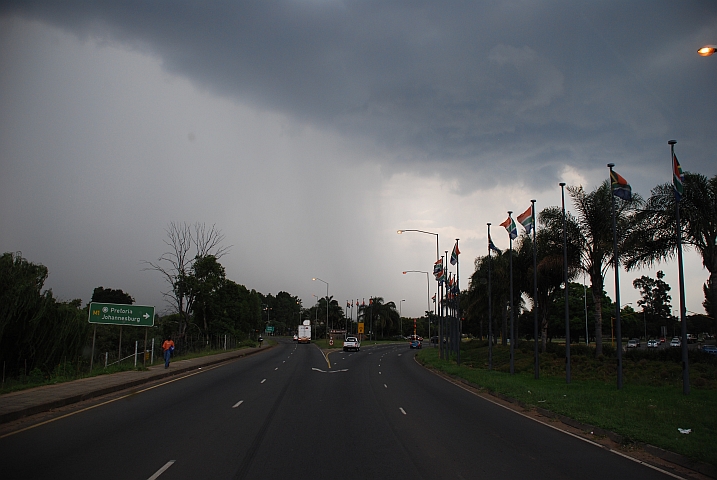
(161, 470)
(238, 403)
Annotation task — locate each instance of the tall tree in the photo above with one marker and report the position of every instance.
(185, 244)
(380, 314)
(655, 300)
(110, 295)
(654, 240)
(590, 234)
(204, 283)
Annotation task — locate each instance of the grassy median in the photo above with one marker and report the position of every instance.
(650, 408)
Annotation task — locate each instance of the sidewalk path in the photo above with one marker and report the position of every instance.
(20, 404)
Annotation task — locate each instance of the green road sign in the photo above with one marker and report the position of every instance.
(118, 314)
(269, 329)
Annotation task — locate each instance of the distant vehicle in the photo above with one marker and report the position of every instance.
(691, 338)
(296, 337)
(662, 339)
(632, 343)
(415, 344)
(434, 339)
(675, 342)
(711, 349)
(652, 343)
(352, 343)
(304, 333)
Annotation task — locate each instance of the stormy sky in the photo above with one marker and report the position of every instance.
(309, 131)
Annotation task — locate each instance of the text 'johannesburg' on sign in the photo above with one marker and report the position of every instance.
(114, 314)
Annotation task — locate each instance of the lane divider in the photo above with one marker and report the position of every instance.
(238, 403)
(402, 410)
(263, 380)
(161, 470)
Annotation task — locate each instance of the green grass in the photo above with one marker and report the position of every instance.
(650, 407)
(68, 372)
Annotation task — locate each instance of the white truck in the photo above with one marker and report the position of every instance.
(305, 332)
(352, 343)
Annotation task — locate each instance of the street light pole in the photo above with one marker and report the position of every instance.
(567, 286)
(327, 304)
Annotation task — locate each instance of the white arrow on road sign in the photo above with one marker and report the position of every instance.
(146, 316)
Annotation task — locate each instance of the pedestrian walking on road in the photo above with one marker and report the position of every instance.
(168, 347)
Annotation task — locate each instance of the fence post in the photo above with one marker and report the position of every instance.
(152, 361)
(136, 344)
(106, 353)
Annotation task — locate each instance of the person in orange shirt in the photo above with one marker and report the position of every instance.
(168, 347)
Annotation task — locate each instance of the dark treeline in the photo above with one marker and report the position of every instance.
(36, 330)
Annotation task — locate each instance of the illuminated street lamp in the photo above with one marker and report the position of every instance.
(707, 50)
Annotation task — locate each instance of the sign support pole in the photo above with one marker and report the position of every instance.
(92, 357)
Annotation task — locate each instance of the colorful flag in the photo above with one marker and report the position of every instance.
(526, 219)
(620, 187)
(434, 298)
(454, 255)
(678, 177)
(492, 246)
(510, 227)
(438, 268)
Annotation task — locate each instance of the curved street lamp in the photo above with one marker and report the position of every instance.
(438, 255)
(707, 50)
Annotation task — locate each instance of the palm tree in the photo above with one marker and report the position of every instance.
(654, 239)
(379, 313)
(590, 234)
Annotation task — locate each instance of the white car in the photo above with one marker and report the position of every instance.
(352, 343)
(675, 342)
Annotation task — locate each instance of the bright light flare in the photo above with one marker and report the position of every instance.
(707, 50)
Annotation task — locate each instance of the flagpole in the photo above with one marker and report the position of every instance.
(458, 306)
(512, 330)
(490, 312)
(617, 282)
(444, 305)
(567, 287)
(535, 293)
(683, 313)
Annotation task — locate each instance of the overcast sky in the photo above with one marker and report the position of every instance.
(309, 131)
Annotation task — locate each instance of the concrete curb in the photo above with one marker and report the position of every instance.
(61, 402)
(672, 457)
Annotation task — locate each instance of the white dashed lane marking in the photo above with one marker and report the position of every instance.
(263, 380)
(238, 403)
(402, 410)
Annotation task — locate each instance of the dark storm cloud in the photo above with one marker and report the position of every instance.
(500, 87)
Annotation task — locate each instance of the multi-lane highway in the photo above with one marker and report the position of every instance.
(285, 414)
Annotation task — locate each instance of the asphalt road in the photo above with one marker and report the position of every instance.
(284, 414)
